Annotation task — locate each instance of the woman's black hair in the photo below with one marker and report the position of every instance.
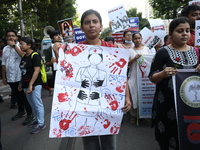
(174, 23)
(135, 34)
(89, 12)
(109, 38)
(126, 32)
(27, 40)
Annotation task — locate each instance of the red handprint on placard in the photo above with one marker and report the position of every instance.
(104, 122)
(57, 132)
(118, 66)
(63, 97)
(84, 130)
(115, 128)
(64, 123)
(112, 101)
(75, 50)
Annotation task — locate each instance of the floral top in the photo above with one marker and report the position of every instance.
(163, 111)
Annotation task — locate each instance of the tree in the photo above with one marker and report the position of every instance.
(167, 9)
(142, 21)
(36, 14)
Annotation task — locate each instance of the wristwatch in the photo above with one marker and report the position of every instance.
(13, 46)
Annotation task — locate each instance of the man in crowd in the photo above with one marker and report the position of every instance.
(192, 12)
(11, 75)
(49, 58)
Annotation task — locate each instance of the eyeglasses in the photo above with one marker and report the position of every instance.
(20, 44)
(128, 34)
(11, 35)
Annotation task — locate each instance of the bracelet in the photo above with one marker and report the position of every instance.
(111, 30)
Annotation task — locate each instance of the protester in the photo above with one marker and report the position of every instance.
(110, 39)
(192, 12)
(91, 25)
(31, 82)
(11, 75)
(177, 55)
(135, 53)
(49, 58)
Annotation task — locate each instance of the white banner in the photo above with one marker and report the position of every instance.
(197, 33)
(146, 88)
(89, 91)
(119, 17)
(197, 2)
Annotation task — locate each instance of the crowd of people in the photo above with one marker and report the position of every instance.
(25, 80)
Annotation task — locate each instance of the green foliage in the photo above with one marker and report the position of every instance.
(142, 21)
(48, 13)
(167, 9)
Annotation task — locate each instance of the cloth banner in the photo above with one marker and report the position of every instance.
(186, 84)
(146, 88)
(89, 91)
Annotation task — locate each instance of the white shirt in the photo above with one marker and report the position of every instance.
(11, 61)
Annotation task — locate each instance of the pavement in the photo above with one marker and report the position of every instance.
(15, 136)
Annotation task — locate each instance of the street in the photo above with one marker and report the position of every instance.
(15, 136)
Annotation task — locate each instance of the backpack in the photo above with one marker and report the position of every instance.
(42, 69)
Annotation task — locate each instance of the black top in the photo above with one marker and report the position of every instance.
(27, 69)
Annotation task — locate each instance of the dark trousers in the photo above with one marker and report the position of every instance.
(0, 135)
(22, 101)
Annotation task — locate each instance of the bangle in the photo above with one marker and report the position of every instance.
(111, 30)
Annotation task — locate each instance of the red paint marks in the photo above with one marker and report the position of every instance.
(67, 68)
(112, 101)
(57, 132)
(121, 88)
(85, 109)
(116, 52)
(118, 66)
(114, 55)
(75, 50)
(63, 97)
(95, 50)
(84, 130)
(107, 124)
(114, 105)
(64, 124)
(114, 129)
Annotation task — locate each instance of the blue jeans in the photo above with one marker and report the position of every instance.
(102, 142)
(36, 103)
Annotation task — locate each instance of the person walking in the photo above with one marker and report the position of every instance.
(177, 55)
(11, 75)
(91, 25)
(31, 82)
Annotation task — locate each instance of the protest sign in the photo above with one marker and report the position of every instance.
(197, 33)
(134, 24)
(146, 88)
(79, 35)
(197, 2)
(186, 85)
(158, 27)
(66, 29)
(89, 91)
(119, 17)
(118, 37)
(149, 38)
